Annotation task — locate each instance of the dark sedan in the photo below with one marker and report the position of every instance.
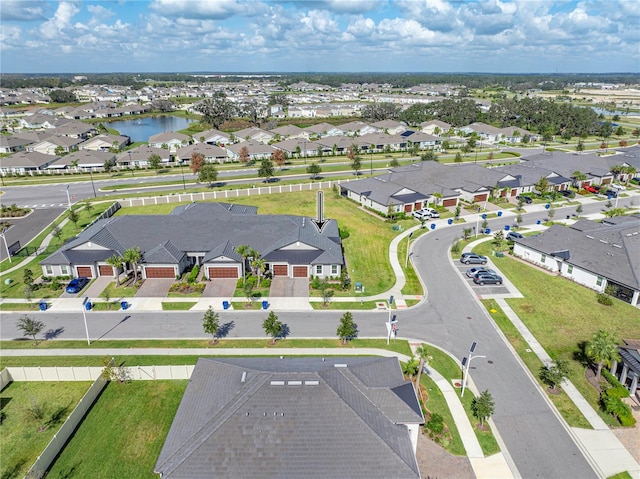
(76, 285)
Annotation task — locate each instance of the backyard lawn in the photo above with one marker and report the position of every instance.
(31, 414)
(125, 429)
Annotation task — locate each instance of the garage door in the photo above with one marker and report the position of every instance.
(478, 198)
(300, 272)
(223, 272)
(160, 272)
(105, 270)
(417, 206)
(281, 270)
(407, 208)
(449, 202)
(85, 271)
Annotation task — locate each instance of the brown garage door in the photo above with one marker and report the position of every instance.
(449, 202)
(479, 198)
(223, 272)
(85, 271)
(105, 270)
(407, 208)
(300, 272)
(280, 270)
(158, 272)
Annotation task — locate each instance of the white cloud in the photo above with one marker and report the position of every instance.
(207, 9)
(60, 20)
(19, 10)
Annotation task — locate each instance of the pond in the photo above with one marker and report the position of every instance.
(142, 128)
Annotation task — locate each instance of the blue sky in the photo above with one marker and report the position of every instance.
(501, 36)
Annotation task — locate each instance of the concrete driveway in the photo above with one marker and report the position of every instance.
(219, 288)
(155, 288)
(284, 287)
(98, 286)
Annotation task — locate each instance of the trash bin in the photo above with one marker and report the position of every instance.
(43, 306)
(507, 227)
(499, 213)
(225, 305)
(450, 221)
(500, 254)
(265, 304)
(124, 304)
(538, 222)
(87, 305)
(487, 231)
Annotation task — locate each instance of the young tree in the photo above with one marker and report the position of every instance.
(30, 327)
(133, 256)
(423, 356)
(154, 161)
(429, 155)
(314, 170)
(542, 186)
(211, 324)
(27, 277)
(356, 164)
(208, 173)
(325, 291)
(498, 238)
(266, 169)
(247, 287)
(243, 155)
(272, 327)
(347, 329)
(458, 158)
(116, 261)
(602, 349)
(74, 217)
(457, 212)
(579, 209)
(553, 374)
(483, 407)
(197, 161)
(87, 205)
(551, 212)
(278, 157)
(56, 232)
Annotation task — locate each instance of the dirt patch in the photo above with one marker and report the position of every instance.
(434, 461)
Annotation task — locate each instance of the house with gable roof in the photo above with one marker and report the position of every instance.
(206, 234)
(171, 139)
(316, 418)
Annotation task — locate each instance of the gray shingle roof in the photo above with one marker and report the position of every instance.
(292, 418)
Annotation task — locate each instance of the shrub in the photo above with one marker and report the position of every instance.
(315, 283)
(265, 283)
(436, 423)
(604, 299)
(193, 275)
(344, 233)
(455, 247)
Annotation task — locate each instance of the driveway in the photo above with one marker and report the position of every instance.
(284, 287)
(98, 286)
(155, 288)
(219, 288)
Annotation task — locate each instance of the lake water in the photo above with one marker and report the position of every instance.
(141, 129)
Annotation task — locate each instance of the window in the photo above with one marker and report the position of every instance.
(334, 269)
(570, 269)
(48, 270)
(64, 269)
(543, 258)
(318, 269)
(599, 281)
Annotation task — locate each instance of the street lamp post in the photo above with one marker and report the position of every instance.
(92, 184)
(184, 186)
(465, 363)
(68, 197)
(84, 316)
(371, 161)
(406, 261)
(5, 244)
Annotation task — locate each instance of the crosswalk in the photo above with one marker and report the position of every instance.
(44, 205)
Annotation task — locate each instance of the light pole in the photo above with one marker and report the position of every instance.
(68, 197)
(130, 165)
(466, 362)
(371, 162)
(92, 184)
(390, 324)
(84, 316)
(406, 261)
(5, 244)
(184, 186)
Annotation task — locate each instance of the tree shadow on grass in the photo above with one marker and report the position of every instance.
(580, 355)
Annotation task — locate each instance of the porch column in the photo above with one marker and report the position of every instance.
(614, 367)
(635, 298)
(623, 376)
(634, 385)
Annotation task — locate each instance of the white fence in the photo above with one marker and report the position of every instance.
(59, 439)
(82, 373)
(230, 194)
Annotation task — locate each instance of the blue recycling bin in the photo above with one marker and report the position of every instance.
(450, 221)
(265, 304)
(43, 306)
(484, 216)
(487, 231)
(433, 226)
(87, 305)
(124, 304)
(538, 222)
(225, 305)
(507, 227)
(499, 213)
(547, 206)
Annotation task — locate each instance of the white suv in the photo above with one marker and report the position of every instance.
(421, 215)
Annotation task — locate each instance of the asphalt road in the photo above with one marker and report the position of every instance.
(26, 228)
(450, 318)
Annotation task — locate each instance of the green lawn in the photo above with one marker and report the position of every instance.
(178, 306)
(125, 431)
(116, 292)
(447, 367)
(344, 305)
(24, 437)
(562, 315)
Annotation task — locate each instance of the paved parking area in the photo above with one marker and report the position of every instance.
(219, 288)
(283, 287)
(154, 288)
(98, 286)
(487, 289)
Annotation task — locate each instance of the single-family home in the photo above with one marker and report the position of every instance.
(323, 129)
(86, 160)
(170, 140)
(289, 131)
(139, 156)
(26, 162)
(392, 127)
(627, 370)
(211, 153)
(254, 149)
(213, 137)
(297, 147)
(357, 128)
(105, 142)
(435, 127)
(56, 145)
(12, 144)
(317, 418)
(254, 134)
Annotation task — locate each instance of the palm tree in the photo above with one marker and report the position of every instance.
(423, 356)
(116, 261)
(244, 251)
(258, 264)
(603, 349)
(133, 256)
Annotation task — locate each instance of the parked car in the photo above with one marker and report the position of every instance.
(611, 192)
(433, 213)
(618, 186)
(487, 278)
(592, 189)
(527, 199)
(472, 258)
(567, 193)
(513, 235)
(76, 285)
(478, 270)
(420, 215)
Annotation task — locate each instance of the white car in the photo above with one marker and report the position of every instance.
(433, 213)
(421, 215)
(618, 187)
